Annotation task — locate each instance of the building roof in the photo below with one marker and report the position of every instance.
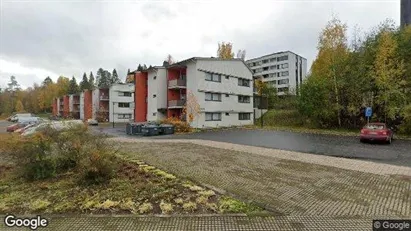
(193, 59)
(275, 53)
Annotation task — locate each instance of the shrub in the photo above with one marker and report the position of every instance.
(145, 208)
(190, 206)
(166, 208)
(34, 157)
(179, 125)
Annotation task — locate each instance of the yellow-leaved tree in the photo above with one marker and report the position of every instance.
(191, 108)
(19, 106)
(332, 54)
(225, 50)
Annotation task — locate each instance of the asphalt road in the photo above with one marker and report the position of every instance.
(398, 153)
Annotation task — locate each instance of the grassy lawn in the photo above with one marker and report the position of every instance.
(136, 188)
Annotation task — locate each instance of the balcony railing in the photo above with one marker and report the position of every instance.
(177, 83)
(176, 103)
(104, 97)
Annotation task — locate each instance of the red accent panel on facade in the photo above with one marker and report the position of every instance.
(88, 102)
(66, 107)
(140, 97)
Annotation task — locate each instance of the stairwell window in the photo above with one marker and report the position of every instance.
(212, 97)
(243, 99)
(213, 77)
(127, 94)
(283, 81)
(124, 116)
(244, 116)
(213, 116)
(284, 73)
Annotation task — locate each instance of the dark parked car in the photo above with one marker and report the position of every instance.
(376, 132)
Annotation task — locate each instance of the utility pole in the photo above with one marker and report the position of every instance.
(113, 113)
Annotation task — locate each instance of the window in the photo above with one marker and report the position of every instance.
(265, 76)
(227, 77)
(273, 67)
(212, 96)
(283, 89)
(227, 95)
(244, 82)
(273, 75)
(124, 105)
(121, 93)
(154, 114)
(278, 74)
(124, 116)
(155, 77)
(213, 77)
(285, 65)
(244, 116)
(283, 81)
(209, 116)
(265, 69)
(265, 61)
(227, 114)
(243, 99)
(154, 96)
(284, 73)
(272, 60)
(282, 58)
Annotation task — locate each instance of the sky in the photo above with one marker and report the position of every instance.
(70, 37)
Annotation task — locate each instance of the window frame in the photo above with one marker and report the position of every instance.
(243, 97)
(212, 116)
(242, 114)
(212, 77)
(212, 97)
(119, 105)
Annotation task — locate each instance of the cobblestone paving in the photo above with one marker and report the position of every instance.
(202, 223)
(285, 186)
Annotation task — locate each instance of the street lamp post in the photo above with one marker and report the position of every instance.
(113, 113)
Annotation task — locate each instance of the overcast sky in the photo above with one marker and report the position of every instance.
(53, 38)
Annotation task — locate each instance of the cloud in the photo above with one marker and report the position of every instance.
(73, 37)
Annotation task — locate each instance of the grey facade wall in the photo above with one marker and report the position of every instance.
(405, 12)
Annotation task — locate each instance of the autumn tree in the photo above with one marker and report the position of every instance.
(224, 50)
(63, 85)
(331, 58)
(191, 108)
(19, 106)
(169, 59)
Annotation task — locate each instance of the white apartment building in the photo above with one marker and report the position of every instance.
(282, 70)
(121, 102)
(156, 93)
(222, 88)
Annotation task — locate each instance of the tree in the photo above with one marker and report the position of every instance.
(19, 106)
(191, 108)
(84, 84)
(62, 85)
(47, 81)
(103, 78)
(91, 81)
(331, 58)
(140, 68)
(150, 67)
(114, 77)
(128, 71)
(169, 59)
(73, 86)
(225, 50)
(13, 84)
(241, 54)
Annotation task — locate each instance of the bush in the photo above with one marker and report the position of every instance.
(50, 151)
(179, 125)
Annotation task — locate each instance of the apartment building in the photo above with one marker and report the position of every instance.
(100, 106)
(222, 89)
(81, 109)
(121, 102)
(74, 106)
(157, 93)
(283, 70)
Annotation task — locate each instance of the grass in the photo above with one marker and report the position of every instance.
(137, 188)
(290, 120)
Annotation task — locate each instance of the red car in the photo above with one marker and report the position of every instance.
(376, 132)
(13, 127)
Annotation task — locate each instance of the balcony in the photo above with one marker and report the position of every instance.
(76, 102)
(104, 98)
(176, 103)
(177, 83)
